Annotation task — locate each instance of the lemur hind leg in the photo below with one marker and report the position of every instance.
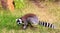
(31, 26)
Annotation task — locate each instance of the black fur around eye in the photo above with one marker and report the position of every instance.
(18, 21)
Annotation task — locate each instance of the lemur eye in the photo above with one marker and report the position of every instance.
(18, 21)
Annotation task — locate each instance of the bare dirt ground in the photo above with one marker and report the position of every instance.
(42, 13)
(47, 11)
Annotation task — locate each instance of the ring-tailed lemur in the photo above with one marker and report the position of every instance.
(32, 19)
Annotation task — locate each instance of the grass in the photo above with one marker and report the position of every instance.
(49, 13)
(19, 4)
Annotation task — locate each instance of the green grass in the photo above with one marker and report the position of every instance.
(19, 4)
(8, 20)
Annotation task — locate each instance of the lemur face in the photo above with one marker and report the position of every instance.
(19, 21)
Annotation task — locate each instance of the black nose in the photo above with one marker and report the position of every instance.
(19, 23)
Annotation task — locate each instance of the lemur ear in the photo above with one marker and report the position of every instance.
(20, 19)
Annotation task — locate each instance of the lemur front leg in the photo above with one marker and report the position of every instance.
(25, 25)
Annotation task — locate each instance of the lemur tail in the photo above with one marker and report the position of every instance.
(47, 24)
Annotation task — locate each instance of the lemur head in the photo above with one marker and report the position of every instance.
(19, 21)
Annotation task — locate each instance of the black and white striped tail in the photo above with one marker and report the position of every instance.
(46, 24)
